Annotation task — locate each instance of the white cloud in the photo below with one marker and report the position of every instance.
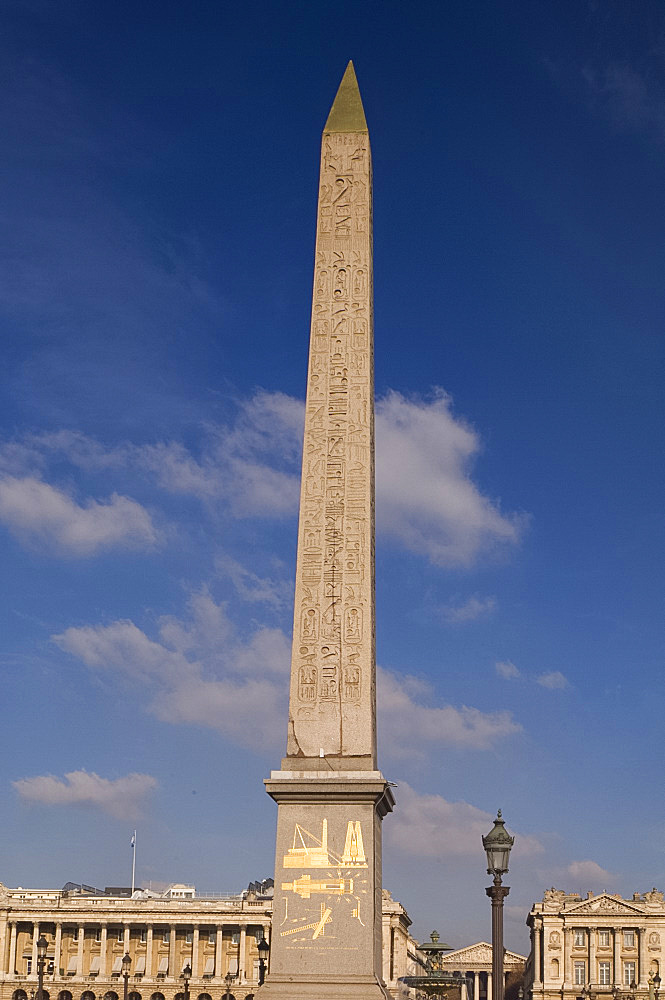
(120, 797)
(469, 610)
(554, 681)
(426, 497)
(250, 587)
(630, 98)
(199, 671)
(585, 873)
(38, 512)
(252, 465)
(408, 728)
(430, 826)
(506, 669)
(425, 494)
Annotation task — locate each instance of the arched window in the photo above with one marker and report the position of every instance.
(87, 995)
(66, 995)
(157, 996)
(133, 995)
(204, 996)
(554, 968)
(250, 996)
(19, 995)
(110, 995)
(46, 995)
(179, 996)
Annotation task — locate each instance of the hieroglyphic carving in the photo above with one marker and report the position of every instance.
(333, 660)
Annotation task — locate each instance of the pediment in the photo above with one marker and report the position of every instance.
(604, 903)
(478, 954)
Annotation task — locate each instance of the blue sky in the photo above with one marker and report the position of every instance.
(159, 171)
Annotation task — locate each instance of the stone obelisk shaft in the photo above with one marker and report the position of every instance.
(327, 914)
(332, 698)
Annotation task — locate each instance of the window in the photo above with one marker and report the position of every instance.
(211, 937)
(121, 935)
(28, 966)
(579, 938)
(144, 936)
(554, 968)
(75, 934)
(235, 937)
(166, 937)
(50, 966)
(628, 973)
(603, 939)
(188, 937)
(98, 934)
(579, 973)
(629, 939)
(604, 973)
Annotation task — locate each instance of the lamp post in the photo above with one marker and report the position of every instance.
(497, 844)
(187, 975)
(42, 945)
(264, 951)
(228, 979)
(126, 964)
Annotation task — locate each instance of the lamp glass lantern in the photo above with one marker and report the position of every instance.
(264, 949)
(126, 963)
(187, 973)
(42, 946)
(497, 844)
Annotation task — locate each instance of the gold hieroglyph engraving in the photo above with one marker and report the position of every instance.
(304, 886)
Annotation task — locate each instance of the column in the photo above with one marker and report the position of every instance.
(567, 956)
(241, 954)
(641, 956)
(35, 937)
(195, 952)
(593, 971)
(79, 953)
(148, 952)
(489, 986)
(103, 939)
(12, 949)
(57, 947)
(476, 986)
(617, 956)
(536, 953)
(125, 942)
(218, 951)
(173, 972)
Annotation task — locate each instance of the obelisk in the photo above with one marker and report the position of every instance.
(326, 936)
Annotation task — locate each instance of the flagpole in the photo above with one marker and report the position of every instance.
(133, 860)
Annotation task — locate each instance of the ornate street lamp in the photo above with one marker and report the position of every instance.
(497, 844)
(264, 951)
(42, 945)
(228, 979)
(187, 975)
(126, 964)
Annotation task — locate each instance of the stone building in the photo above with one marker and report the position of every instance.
(88, 931)
(603, 944)
(474, 964)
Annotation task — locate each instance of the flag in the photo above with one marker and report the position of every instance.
(133, 843)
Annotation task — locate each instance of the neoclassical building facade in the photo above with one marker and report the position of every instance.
(474, 963)
(88, 934)
(601, 944)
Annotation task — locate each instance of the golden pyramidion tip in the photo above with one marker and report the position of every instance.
(347, 114)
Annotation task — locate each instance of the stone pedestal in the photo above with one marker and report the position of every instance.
(326, 938)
